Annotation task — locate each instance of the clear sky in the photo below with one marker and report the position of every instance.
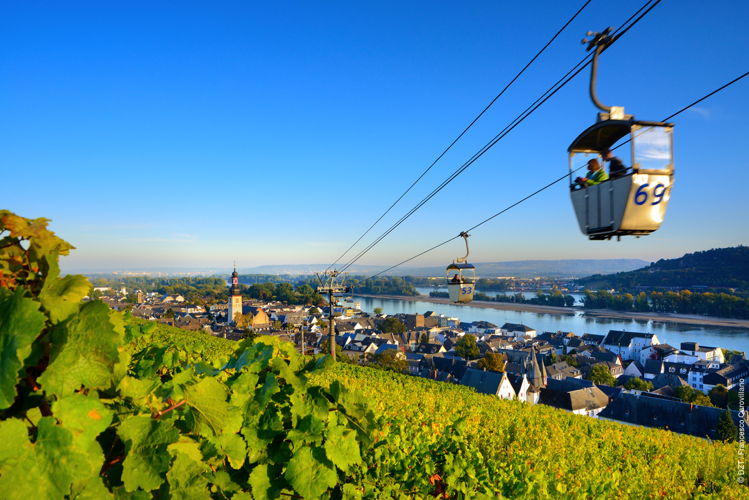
(190, 134)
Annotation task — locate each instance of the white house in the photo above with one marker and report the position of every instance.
(629, 345)
(487, 382)
(518, 331)
(703, 351)
(698, 371)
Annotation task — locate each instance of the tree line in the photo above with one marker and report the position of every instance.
(555, 298)
(682, 302)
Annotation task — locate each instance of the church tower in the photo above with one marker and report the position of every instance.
(235, 298)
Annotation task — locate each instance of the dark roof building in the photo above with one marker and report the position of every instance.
(676, 416)
(623, 339)
(585, 401)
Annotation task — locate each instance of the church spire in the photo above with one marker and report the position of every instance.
(235, 297)
(234, 288)
(537, 375)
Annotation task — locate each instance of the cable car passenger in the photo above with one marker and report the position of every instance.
(616, 166)
(594, 175)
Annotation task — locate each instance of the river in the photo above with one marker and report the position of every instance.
(579, 323)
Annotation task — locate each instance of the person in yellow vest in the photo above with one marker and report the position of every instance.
(594, 175)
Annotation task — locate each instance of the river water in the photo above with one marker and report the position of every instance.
(579, 323)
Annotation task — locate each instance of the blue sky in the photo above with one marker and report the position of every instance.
(192, 134)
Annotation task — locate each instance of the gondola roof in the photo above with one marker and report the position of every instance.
(604, 134)
(461, 266)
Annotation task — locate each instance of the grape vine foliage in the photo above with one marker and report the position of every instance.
(93, 405)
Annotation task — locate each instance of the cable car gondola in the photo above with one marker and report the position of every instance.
(462, 284)
(633, 200)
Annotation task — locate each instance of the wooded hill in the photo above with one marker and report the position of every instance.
(719, 268)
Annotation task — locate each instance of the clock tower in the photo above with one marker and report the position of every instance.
(235, 298)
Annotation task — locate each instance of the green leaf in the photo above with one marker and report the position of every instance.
(13, 435)
(146, 441)
(233, 446)
(84, 417)
(341, 447)
(137, 389)
(58, 467)
(20, 323)
(84, 352)
(260, 484)
(211, 413)
(308, 472)
(61, 297)
(186, 476)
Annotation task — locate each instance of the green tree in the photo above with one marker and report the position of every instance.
(392, 325)
(551, 359)
(391, 359)
(689, 394)
(726, 429)
(719, 396)
(169, 314)
(638, 384)
(378, 310)
(601, 375)
(466, 347)
(325, 347)
(244, 320)
(493, 362)
(249, 334)
(314, 311)
(570, 360)
(728, 354)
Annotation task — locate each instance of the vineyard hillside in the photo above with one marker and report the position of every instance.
(434, 436)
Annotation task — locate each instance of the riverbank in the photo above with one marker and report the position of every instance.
(571, 311)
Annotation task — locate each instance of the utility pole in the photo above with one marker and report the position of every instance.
(331, 288)
(301, 332)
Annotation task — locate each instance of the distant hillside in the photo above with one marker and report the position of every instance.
(717, 268)
(517, 268)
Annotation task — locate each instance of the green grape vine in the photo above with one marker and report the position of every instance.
(95, 404)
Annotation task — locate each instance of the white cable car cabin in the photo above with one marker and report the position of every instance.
(462, 284)
(461, 277)
(634, 199)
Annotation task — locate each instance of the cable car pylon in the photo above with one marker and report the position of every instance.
(333, 289)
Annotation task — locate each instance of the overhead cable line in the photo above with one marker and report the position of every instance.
(558, 85)
(552, 182)
(449, 147)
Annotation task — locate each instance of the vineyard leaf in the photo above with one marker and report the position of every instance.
(233, 446)
(186, 476)
(20, 323)
(57, 467)
(84, 417)
(61, 297)
(341, 447)
(84, 352)
(260, 484)
(13, 435)
(137, 389)
(308, 473)
(147, 460)
(211, 413)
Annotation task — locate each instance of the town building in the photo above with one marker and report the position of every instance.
(235, 299)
